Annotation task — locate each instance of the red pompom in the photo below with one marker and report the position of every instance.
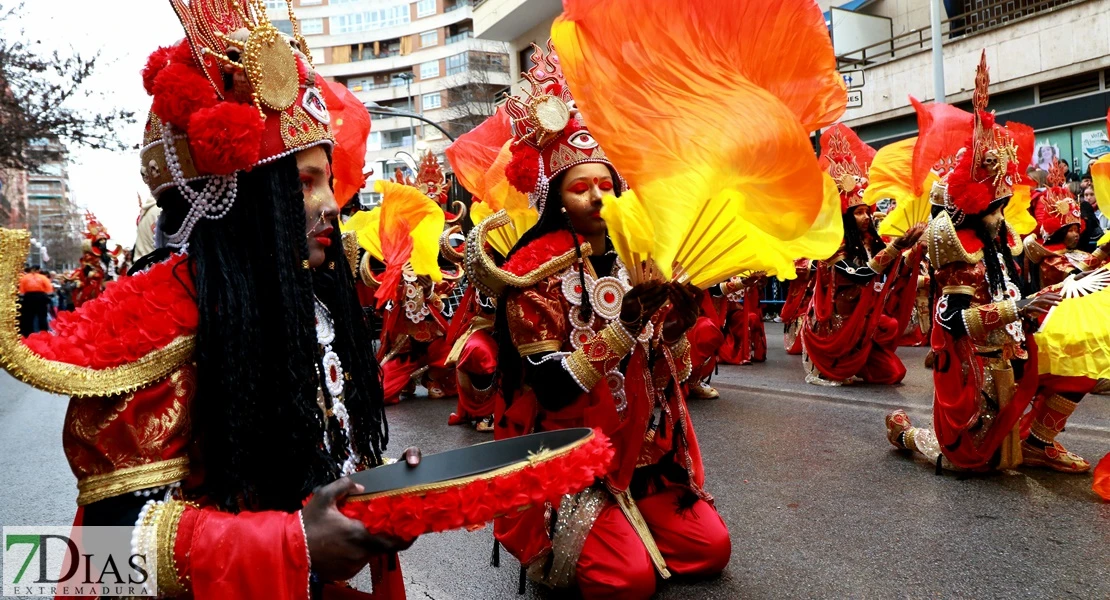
(523, 170)
(968, 195)
(154, 65)
(225, 138)
(180, 91)
(183, 53)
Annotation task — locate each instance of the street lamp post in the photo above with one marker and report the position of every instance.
(407, 76)
(375, 109)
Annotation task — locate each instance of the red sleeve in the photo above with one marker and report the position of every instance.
(220, 555)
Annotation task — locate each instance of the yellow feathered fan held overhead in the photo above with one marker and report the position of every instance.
(632, 234)
(1074, 339)
(891, 176)
(705, 108)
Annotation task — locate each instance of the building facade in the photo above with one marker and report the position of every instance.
(13, 198)
(1049, 62)
(54, 221)
(412, 56)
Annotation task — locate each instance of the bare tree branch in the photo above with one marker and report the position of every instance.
(36, 91)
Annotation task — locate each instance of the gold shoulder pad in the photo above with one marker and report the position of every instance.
(63, 378)
(944, 246)
(491, 280)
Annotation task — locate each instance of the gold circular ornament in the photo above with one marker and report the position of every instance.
(550, 113)
(271, 68)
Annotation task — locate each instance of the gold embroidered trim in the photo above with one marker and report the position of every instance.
(1099, 256)
(491, 279)
(966, 290)
(619, 342)
(681, 349)
(882, 261)
(944, 246)
(1060, 404)
(365, 273)
(62, 378)
(350, 250)
(907, 438)
(582, 370)
(636, 519)
(1009, 312)
(541, 456)
(541, 346)
(974, 323)
(165, 522)
(478, 324)
(123, 481)
(1034, 251)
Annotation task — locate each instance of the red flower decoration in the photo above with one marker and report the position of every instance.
(523, 170)
(154, 65)
(127, 321)
(473, 504)
(179, 91)
(225, 138)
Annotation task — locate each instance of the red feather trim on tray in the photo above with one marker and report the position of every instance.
(539, 251)
(131, 318)
(473, 504)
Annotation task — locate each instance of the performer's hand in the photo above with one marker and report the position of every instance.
(338, 546)
(912, 235)
(640, 303)
(1038, 305)
(683, 313)
(412, 456)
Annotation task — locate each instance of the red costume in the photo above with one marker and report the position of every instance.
(97, 265)
(851, 330)
(746, 341)
(580, 367)
(797, 303)
(985, 367)
(126, 356)
(1054, 257)
(474, 357)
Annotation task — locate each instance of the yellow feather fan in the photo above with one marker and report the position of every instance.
(707, 116)
(1074, 339)
(500, 195)
(365, 224)
(632, 234)
(891, 176)
(406, 207)
(1016, 211)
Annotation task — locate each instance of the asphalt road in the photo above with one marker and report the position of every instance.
(818, 503)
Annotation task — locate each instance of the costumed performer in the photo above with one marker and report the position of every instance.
(985, 365)
(848, 334)
(225, 380)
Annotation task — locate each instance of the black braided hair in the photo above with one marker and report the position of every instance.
(553, 218)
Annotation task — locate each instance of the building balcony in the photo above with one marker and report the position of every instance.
(438, 84)
(1023, 49)
(507, 20)
(386, 64)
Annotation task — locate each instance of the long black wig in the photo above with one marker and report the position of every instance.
(255, 415)
(553, 218)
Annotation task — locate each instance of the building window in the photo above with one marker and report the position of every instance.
(456, 64)
(429, 39)
(275, 4)
(430, 101)
(311, 2)
(429, 69)
(379, 18)
(312, 26)
(284, 26)
(375, 141)
(425, 8)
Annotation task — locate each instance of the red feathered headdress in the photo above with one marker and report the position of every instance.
(235, 94)
(847, 160)
(548, 134)
(988, 166)
(1057, 208)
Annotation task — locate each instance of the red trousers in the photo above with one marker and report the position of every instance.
(615, 565)
(746, 340)
(398, 371)
(883, 365)
(478, 358)
(705, 340)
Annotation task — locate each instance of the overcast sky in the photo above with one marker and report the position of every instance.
(125, 32)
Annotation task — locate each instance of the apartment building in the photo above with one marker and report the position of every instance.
(50, 214)
(412, 56)
(1049, 62)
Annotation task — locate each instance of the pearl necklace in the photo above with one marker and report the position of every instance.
(333, 378)
(213, 202)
